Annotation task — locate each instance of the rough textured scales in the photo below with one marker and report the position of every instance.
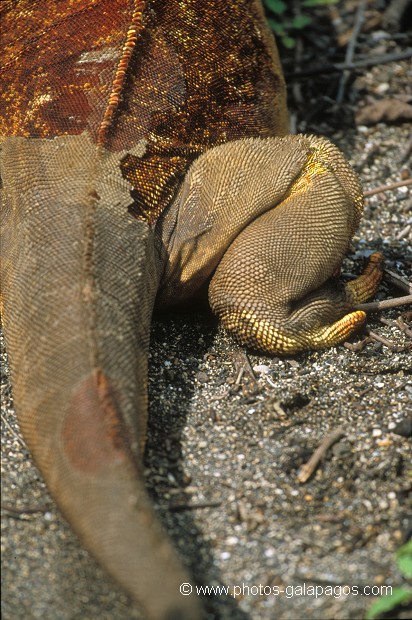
(144, 149)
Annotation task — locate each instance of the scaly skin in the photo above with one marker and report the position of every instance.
(117, 115)
(269, 222)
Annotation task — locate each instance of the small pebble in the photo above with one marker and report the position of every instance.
(202, 377)
(261, 369)
(403, 428)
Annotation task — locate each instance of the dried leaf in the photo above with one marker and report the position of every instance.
(389, 110)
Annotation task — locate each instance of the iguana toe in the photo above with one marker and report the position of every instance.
(364, 287)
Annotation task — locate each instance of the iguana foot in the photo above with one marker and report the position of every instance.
(308, 324)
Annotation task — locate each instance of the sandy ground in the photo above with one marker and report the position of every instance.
(234, 456)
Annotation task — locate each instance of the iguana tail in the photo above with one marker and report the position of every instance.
(79, 278)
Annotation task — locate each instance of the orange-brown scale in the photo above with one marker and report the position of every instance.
(164, 71)
(196, 83)
(44, 88)
(119, 80)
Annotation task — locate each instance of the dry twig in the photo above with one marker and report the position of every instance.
(20, 512)
(399, 324)
(242, 360)
(405, 153)
(387, 188)
(341, 66)
(387, 343)
(307, 470)
(240, 374)
(198, 506)
(375, 306)
(357, 346)
(403, 326)
(12, 431)
(360, 16)
(396, 280)
(221, 396)
(404, 232)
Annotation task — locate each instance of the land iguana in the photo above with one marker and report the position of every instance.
(144, 157)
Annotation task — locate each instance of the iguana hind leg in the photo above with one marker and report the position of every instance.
(274, 288)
